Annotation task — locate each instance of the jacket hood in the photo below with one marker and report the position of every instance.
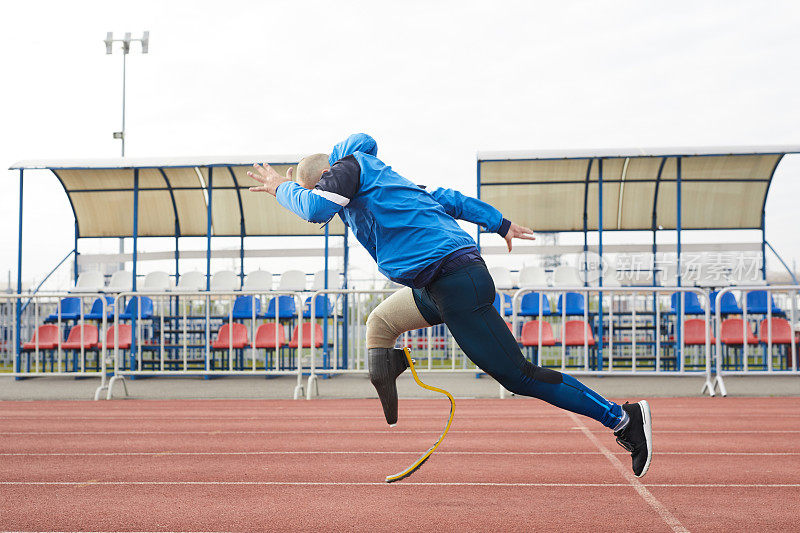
(358, 142)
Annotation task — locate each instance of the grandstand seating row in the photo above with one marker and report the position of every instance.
(223, 281)
(757, 304)
(666, 276)
(245, 306)
(733, 331)
(86, 337)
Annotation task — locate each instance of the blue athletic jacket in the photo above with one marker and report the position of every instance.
(404, 227)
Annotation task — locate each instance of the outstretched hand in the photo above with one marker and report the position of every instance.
(520, 232)
(268, 178)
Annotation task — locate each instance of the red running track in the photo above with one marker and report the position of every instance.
(727, 464)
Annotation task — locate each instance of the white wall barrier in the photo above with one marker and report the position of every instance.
(750, 328)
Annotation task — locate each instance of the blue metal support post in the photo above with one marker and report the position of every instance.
(763, 249)
(208, 252)
(325, 354)
(600, 253)
(132, 357)
(678, 311)
(18, 328)
(345, 313)
(75, 251)
(478, 196)
(208, 228)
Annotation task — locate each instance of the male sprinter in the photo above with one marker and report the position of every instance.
(413, 236)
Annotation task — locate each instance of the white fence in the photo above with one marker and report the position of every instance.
(198, 348)
(34, 340)
(633, 332)
(741, 350)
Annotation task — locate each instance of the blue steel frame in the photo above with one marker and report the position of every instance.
(177, 234)
(654, 228)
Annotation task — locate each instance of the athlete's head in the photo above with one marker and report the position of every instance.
(310, 169)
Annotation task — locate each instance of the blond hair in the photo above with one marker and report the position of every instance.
(310, 169)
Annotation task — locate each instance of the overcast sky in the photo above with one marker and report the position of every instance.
(433, 82)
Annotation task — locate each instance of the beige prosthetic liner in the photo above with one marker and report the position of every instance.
(394, 316)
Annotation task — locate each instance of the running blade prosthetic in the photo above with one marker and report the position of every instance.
(385, 364)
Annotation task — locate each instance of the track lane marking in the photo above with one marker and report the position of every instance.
(372, 452)
(632, 480)
(390, 432)
(417, 484)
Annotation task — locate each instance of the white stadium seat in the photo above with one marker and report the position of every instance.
(319, 280)
(532, 276)
(292, 280)
(225, 281)
(157, 281)
(89, 281)
(258, 280)
(566, 276)
(121, 281)
(502, 278)
(191, 282)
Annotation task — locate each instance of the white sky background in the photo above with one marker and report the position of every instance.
(433, 82)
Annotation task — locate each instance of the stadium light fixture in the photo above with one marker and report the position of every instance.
(126, 49)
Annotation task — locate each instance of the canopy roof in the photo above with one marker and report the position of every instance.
(721, 187)
(173, 195)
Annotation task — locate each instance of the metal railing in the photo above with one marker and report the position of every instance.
(763, 363)
(24, 318)
(174, 358)
(605, 319)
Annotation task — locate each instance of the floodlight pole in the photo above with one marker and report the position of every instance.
(126, 48)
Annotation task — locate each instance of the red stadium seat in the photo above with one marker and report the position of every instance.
(90, 337)
(307, 335)
(781, 331)
(530, 334)
(47, 337)
(694, 332)
(731, 332)
(230, 336)
(265, 336)
(125, 337)
(576, 331)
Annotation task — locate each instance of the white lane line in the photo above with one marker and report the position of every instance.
(408, 483)
(387, 432)
(370, 452)
(299, 417)
(646, 495)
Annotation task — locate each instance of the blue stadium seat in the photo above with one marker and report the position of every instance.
(286, 307)
(321, 302)
(243, 306)
(132, 309)
(96, 313)
(529, 306)
(575, 304)
(70, 310)
(757, 303)
(507, 309)
(691, 304)
(728, 304)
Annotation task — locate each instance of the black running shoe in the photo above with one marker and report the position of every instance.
(385, 364)
(637, 436)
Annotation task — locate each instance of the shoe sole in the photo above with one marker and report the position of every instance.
(648, 434)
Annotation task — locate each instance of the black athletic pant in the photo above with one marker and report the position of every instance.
(463, 299)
